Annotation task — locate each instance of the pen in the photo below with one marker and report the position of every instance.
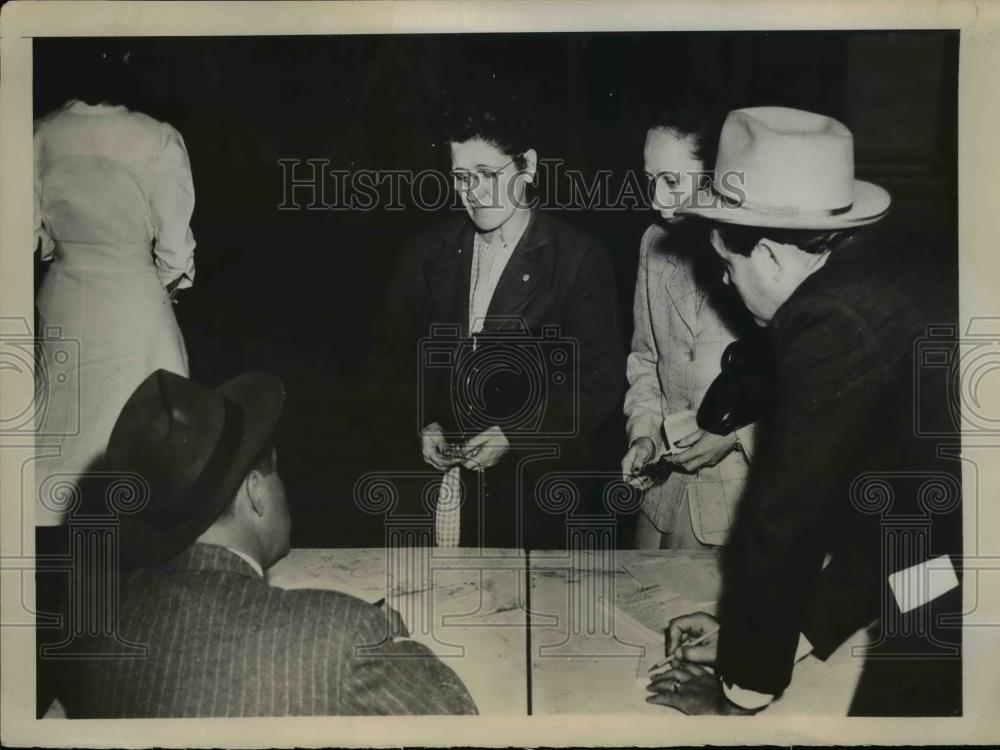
(631, 575)
(696, 642)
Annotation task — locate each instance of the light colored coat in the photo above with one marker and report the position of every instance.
(677, 348)
(113, 201)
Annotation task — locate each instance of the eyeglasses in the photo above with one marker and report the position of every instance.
(466, 180)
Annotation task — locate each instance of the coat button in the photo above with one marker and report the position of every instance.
(526, 277)
(691, 355)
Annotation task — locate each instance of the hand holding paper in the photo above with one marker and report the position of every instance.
(677, 426)
(702, 449)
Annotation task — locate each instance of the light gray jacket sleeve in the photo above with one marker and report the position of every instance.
(643, 400)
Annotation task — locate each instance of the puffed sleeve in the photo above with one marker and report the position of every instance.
(171, 204)
(43, 242)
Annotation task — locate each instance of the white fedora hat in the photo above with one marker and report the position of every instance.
(785, 168)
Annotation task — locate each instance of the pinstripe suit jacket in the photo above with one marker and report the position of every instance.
(677, 345)
(222, 642)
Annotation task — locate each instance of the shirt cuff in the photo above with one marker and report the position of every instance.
(751, 700)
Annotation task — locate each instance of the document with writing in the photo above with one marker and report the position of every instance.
(642, 612)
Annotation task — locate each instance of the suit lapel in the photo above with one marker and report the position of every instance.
(529, 265)
(448, 273)
(676, 280)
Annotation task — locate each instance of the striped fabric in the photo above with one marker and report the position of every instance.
(222, 642)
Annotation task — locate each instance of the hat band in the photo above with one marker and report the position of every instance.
(219, 462)
(773, 211)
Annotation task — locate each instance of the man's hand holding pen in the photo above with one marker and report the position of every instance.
(689, 683)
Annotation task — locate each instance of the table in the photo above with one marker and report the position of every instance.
(586, 659)
(534, 633)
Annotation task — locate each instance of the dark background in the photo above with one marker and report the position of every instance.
(297, 292)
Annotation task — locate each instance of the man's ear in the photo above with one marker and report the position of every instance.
(772, 261)
(715, 238)
(530, 163)
(254, 486)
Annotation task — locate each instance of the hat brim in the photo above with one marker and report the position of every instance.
(871, 203)
(261, 396)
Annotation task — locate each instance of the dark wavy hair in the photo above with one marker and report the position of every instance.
(689, 115)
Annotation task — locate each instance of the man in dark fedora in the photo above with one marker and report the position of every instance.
(851, 518)
(221, 641)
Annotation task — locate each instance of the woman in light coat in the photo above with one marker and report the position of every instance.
(684, 318)
(113, 201)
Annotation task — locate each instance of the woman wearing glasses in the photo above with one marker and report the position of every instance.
(513, 316)
(684, 319)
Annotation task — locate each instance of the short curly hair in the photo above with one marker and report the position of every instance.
(503, 120)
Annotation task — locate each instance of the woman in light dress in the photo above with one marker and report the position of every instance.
(113, 201)
(684, 319)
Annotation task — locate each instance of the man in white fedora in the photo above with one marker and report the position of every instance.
(851, 518)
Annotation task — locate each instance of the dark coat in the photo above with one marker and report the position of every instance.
(842, 438)
(222, 642)
(553, 326)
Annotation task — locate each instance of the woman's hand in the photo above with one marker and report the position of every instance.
(433, 446)
(701, 449)
(485, 449)
(639, 454)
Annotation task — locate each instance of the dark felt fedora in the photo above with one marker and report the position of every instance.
(192, 447)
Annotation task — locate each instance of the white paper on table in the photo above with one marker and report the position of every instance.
(641, 613)
(688, 577)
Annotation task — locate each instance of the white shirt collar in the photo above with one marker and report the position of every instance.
(249, 561)
(80, 106)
